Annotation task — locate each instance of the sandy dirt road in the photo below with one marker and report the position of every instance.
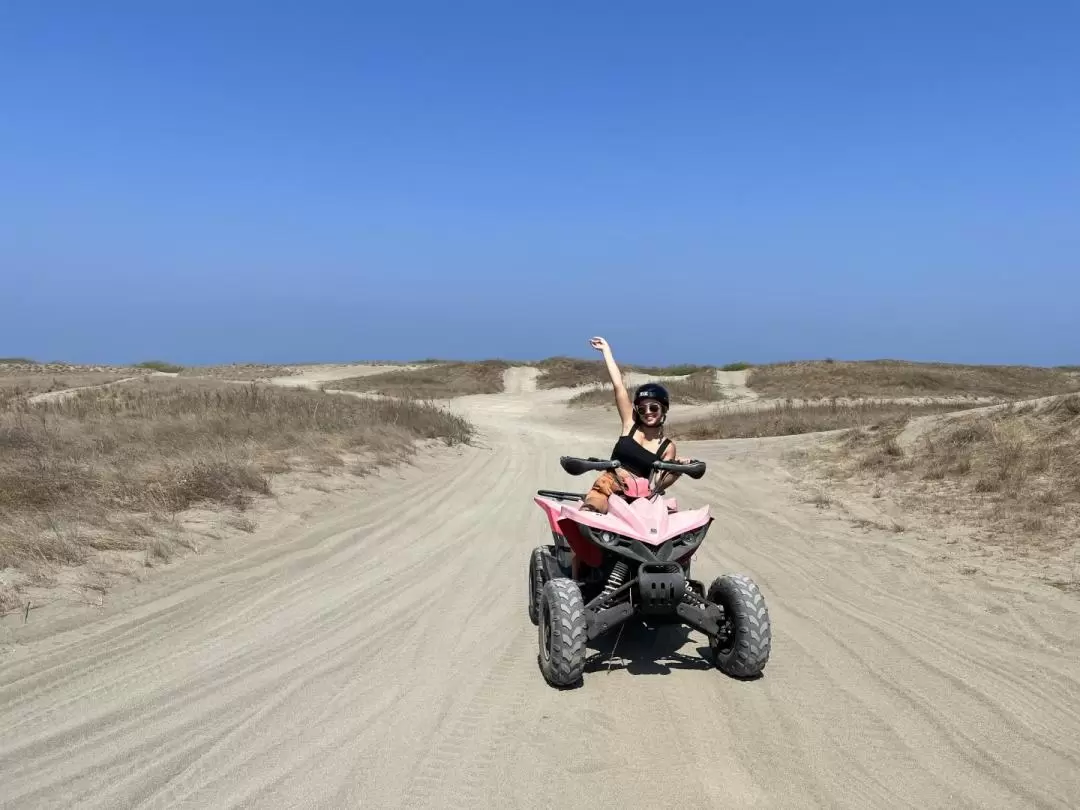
(379, 655)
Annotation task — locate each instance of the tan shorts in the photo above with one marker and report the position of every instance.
(603, 487)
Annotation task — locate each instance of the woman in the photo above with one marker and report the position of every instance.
(642, 439)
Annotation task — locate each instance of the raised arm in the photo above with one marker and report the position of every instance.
(622, 399)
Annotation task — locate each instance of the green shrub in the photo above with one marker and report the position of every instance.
(160, 365)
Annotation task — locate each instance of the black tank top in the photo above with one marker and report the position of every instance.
(634, 457)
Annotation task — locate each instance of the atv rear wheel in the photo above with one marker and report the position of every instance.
(536, 583)
(741, 648)
(562, 632)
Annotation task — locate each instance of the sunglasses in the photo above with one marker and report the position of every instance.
(649, 407)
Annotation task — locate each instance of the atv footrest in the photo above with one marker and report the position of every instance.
(661, 587)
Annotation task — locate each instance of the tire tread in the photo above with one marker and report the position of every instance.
(753, 627)
(569, 632)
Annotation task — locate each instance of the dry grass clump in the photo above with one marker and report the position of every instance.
(603, 395)
(555, 372)
(678, 370)
(879, 378)
(1015, 469)
(433, 382)
(20, 366)
(17, 388)
(789, 419)
(572, 372)
(696, 388)
(569, 372)
(162, 366)
(243, 372)
(100, 470)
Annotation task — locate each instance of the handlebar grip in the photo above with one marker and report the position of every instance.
(577, 466)
(695, 469)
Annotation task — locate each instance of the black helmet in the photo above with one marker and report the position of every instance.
(653, 391)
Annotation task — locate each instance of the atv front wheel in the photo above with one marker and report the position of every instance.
(536, 583)
(741, 648)
(562, 632)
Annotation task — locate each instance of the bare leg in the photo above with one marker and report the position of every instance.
(595, 502)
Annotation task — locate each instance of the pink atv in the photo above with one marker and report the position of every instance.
(634, 563)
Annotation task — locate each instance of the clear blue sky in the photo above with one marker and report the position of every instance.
(697, 181)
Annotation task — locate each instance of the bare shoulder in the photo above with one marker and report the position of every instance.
(669, 452)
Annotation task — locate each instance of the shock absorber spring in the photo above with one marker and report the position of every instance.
(616, 579)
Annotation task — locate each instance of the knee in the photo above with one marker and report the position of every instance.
(596, 501)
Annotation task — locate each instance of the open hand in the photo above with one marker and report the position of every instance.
(600, 344)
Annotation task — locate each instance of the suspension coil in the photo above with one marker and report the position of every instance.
(616, 579)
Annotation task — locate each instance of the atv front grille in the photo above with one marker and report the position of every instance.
(661, 587)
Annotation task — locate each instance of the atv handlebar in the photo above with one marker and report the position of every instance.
(695, 469)
(578, 466)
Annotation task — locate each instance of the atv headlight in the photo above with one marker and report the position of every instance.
(607, 538)
(688, 540)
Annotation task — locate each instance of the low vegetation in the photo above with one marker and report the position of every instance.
(18, 388)
(440, 379)
(698, 387)
(444, 381)
(241, 372)
(569, 372)
(789, 419)
(1012, 472)
(678, 370)
(603, 395)
(160, 365)
(14, 366)
(735, 367)
(888, 378)
(106, 469)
